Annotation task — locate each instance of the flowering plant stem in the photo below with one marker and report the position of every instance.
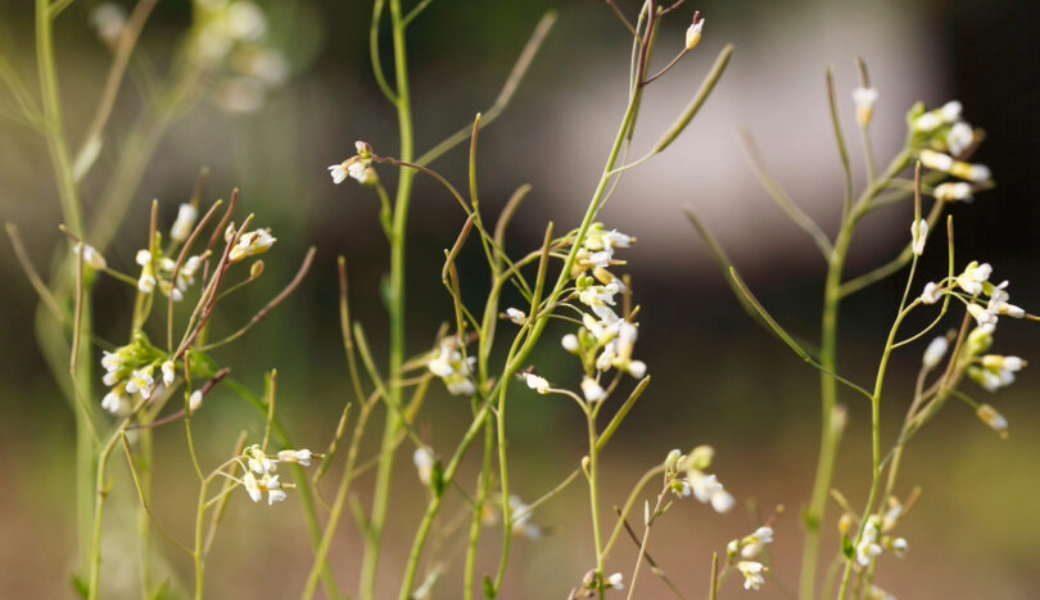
(830, 436)
(395, 300)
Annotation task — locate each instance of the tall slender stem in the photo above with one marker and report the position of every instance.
(396, 301)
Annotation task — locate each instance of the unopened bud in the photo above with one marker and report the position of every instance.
(693, 33)
(935, 352)
(256, 270)
(993, 419)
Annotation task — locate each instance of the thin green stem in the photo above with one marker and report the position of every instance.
(396, 301)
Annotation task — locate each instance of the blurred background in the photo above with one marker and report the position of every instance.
(718, 378)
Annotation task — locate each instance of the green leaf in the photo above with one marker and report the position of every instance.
(81, 586)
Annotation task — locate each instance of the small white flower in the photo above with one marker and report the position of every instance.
(959, 138)
(302, 457)
(245, 21)
(195, 401)
(251, 244)
(168, 372)
(868, 548)
(900, 547)
(936, 160)
(270, 484)
(704, 486)
(338, 172)
(974, 276)
(722, 501)
(143, 257)
(998, 362)
(935, 352)
(258, 461)
(951, 111)
(91, 257)
(592, 390)
(918, 236)
(753, 544)
(424, 461)
(989, 415)
(536, 383)
(111, 361)
(954, 192)
(927, 122)
(185, 222)
(141, 382)
(693, 32)
(516, 315)
(570, 343)
(616, 581)
(986, 320)
(753, 573)
(252, 487)
(930, 294)
(116, 403)
(864, 98)
(146, 283)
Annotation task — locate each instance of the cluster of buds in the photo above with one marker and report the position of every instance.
(994, 371)
(876, 536)
(456, 371)
(130, 371)
(229, 41)
(520, 518)
(941, 137)
(749, 547)
(686, 476)
(754, 574)
(358, 167)
(260, 470)
(158, 270)
(605, 341)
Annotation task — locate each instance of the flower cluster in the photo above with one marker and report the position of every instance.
(260, 468)
(605, 341)
(229, 41)
(130, 370)
(157, 269)
(358, 166)
(941, 137)
(457, 372)
(686, 474)
(592, 582)
(875, 539)
(750, 546)
(251, 244)
(974, 281)
(754, 574)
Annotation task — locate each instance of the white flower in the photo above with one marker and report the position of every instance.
(753, 574)
(111, 361)
(616, 581)
(927, 122)
(592, 390)
(918, 235)
(91, 257)
(974, 276)
(707, 489)
(258, 460)
(936, 160)
(252, 487)
(864, 98)
(693, 32)
(935, 352)
(868, 548)
(424, 461)
(168, 372)
(516, 315)
(753, 544)
(986, 320)
(115, 403)
(536, 383)
(185, 222)
(722, 501)
(998, 362)
(251, 244)
(195, 401)
(900, 547)
(992, 418)
(141, 381)
(302, 457)
(953, 192)
(570, 343)
(951, 111)
(338, 172)
(959, 138)
(146, 283)
(930, 295)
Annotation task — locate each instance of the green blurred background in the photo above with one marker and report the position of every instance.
(718, 379)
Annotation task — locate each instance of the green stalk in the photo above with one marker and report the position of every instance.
(86, 451)
(830, 438)
(396, 301)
